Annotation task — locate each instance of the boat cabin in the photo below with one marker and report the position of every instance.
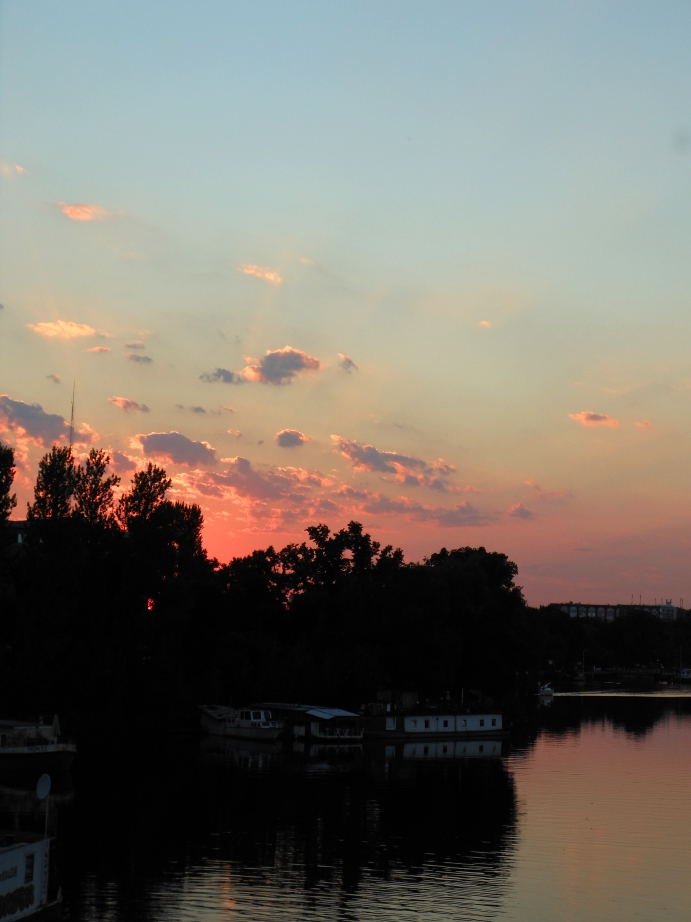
(318, 724)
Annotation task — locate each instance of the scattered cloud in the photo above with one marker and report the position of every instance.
(11, 169)
(222, 375)
(235, 433)
(644, 424)
(176, 449)
(306, 261)
(486, 324)
(126, 404)
(588, 418)
(280, 366)
(62, 329)
(29, 421)
(84, 212)
(291, 438)
(137, 344)
(539, 493)
(406, 469)
(98, 349)
(519, 511)
(462, 514)
(54, 378)
(228, 409)
(261, 272)
(198, 410)
(346, 363)
(140, 359)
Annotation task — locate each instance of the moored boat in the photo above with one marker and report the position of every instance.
(427, 725)
(28, 747)
(256, 723)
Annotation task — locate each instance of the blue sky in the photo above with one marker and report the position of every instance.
(486, 206)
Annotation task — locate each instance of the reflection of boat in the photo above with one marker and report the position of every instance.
(26, 746)
(449, 749)
(546, 692)
(249, 753)
(246, 723)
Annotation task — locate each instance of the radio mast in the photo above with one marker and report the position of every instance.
(72, 415)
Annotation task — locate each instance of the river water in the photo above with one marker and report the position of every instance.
(587, 817)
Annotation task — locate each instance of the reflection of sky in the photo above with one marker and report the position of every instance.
(469, 222)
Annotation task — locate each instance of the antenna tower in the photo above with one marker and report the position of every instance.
(72, 415)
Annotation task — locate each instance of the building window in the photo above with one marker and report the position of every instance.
(29, 869)
(482, 723)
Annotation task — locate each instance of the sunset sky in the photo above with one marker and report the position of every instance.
(424, 265)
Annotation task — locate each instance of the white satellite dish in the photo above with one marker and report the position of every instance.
(43, 787)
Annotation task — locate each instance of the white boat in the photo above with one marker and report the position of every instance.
(255, 723)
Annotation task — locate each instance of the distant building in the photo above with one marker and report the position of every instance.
(666, 611)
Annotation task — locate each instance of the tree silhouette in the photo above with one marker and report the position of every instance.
(54, 488)
(7, 471)
(148, 491)
(93, 491)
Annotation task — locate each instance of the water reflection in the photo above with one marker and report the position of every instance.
(256, 831)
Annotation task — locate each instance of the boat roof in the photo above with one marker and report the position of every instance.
(21, 724)
(314, 710)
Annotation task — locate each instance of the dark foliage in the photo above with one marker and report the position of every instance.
(113, 614)
(8, 500)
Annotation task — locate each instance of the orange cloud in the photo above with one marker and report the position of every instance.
(9, 169)
(484, 323)
(99, 349)
(261, 272)
(84, 212)
(644, 424)
(588, 418)
(126, 404)
(63, 329)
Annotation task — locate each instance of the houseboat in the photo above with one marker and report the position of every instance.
(27, 746)
(431, 725)
(316, 724)
(255, 723)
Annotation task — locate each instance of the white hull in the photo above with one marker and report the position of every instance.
(226, 722)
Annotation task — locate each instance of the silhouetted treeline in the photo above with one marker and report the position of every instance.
(112, 612)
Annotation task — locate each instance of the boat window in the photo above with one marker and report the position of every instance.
(465, 723)
(3, 740)
(427, 725)
(494, 722)
(390, 723)
(267, 715)
(245, 715)
(446, 723)
(482, 748)
(256, 715)
(482, 723)
(29, 869)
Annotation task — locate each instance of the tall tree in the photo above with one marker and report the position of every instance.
(148, 491)
(55, 485)
(7, 471)
(93, 491)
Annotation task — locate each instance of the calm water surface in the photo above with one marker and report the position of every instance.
(588, 818)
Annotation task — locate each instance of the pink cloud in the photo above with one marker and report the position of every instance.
(30, 422)
(175, 448)
(261, 272)
(98, 349)
(519, 511)
(84, 212)
(644, 424)
(280, 366)
(588, 418)
(62, 329)
(126, 404)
